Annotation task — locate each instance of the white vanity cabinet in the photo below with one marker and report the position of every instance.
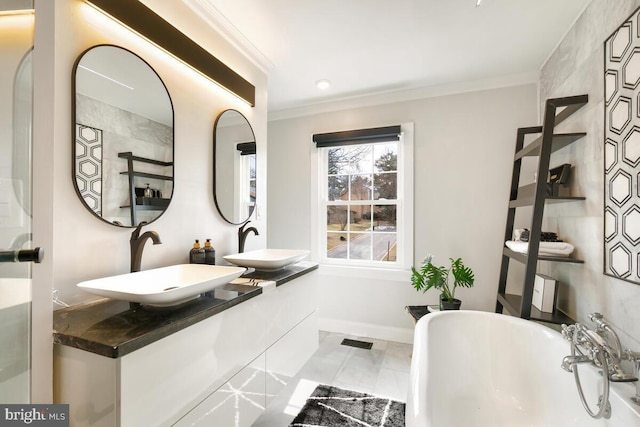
(285, 358)
(238, 403)
(241, 400)
(218, 371)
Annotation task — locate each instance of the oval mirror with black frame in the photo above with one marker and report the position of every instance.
(234, 162)
(123, 144)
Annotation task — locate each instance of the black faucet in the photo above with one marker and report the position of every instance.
(242, 235)
(137, 244)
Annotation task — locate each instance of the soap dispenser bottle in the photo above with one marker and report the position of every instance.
(197, 254)
(209, 253)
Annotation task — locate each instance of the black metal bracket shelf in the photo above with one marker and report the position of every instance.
(150, 204)
(134, 203)
(535, 196)
(148, 175)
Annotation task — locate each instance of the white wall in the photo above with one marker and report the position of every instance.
(464, 146)
(80, 246)
(577, 67)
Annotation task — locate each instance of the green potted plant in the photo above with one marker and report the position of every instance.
(446, 280)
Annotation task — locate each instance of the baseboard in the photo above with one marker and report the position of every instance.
(369, 330)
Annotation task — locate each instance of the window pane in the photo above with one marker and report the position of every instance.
(338, 187)
(337, 218)
(360, 218)
(252, 166)
(384, 218)
(360, 246)
(361, 158)
(361, 187)
(386, 157)
(337, 245)
(384, 246)
(385, 186)
(348, 160)
(252, 191)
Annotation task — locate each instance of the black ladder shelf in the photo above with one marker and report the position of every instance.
(535, 195)
(137, 203)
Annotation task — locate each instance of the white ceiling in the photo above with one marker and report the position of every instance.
(120, 78)
(383, 46)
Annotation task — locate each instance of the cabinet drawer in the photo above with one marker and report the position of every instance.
(239, 402)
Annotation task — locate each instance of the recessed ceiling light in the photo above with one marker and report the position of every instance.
(323, 84)
(478, 3)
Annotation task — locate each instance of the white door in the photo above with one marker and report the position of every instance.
(16, 247)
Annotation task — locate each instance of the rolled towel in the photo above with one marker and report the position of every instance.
(545, 236)
(558, 249)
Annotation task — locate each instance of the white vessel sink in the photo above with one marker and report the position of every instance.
(163, 286)
(267, 259)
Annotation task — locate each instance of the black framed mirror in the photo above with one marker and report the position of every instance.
(234, 167)
(123, 138)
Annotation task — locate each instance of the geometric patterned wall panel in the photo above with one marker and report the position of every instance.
(89, 166)
(622, 151)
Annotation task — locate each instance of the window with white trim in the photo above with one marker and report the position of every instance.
(247, 178)
(363, 180)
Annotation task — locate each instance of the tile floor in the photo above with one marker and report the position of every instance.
(382, 371)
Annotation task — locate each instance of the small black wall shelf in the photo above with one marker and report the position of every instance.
(143, 203)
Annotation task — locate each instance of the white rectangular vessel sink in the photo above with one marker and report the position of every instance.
(164, 286)
(268, 259)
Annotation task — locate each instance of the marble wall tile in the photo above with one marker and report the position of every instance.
(574, 68)
(125, 131)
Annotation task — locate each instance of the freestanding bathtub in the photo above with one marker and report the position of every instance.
(477, 369)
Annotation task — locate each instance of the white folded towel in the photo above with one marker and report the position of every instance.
(559, 249)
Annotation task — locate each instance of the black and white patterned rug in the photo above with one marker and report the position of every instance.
(335, 407)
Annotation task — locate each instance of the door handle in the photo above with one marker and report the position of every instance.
(25, 255)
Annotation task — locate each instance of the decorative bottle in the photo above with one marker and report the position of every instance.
(148, 192)
(209, 253)
(197, 254)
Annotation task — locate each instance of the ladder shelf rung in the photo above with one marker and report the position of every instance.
(513, 302)
(524, 257)
(529, 200)
(560, 140)
(129, 155)
(149, 175)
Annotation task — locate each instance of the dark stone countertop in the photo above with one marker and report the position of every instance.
(115, 328)
(285, 275)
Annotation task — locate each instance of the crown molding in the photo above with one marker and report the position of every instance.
(214, 18)
(403, 95)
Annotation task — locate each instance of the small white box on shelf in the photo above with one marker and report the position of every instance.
(544, 293)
